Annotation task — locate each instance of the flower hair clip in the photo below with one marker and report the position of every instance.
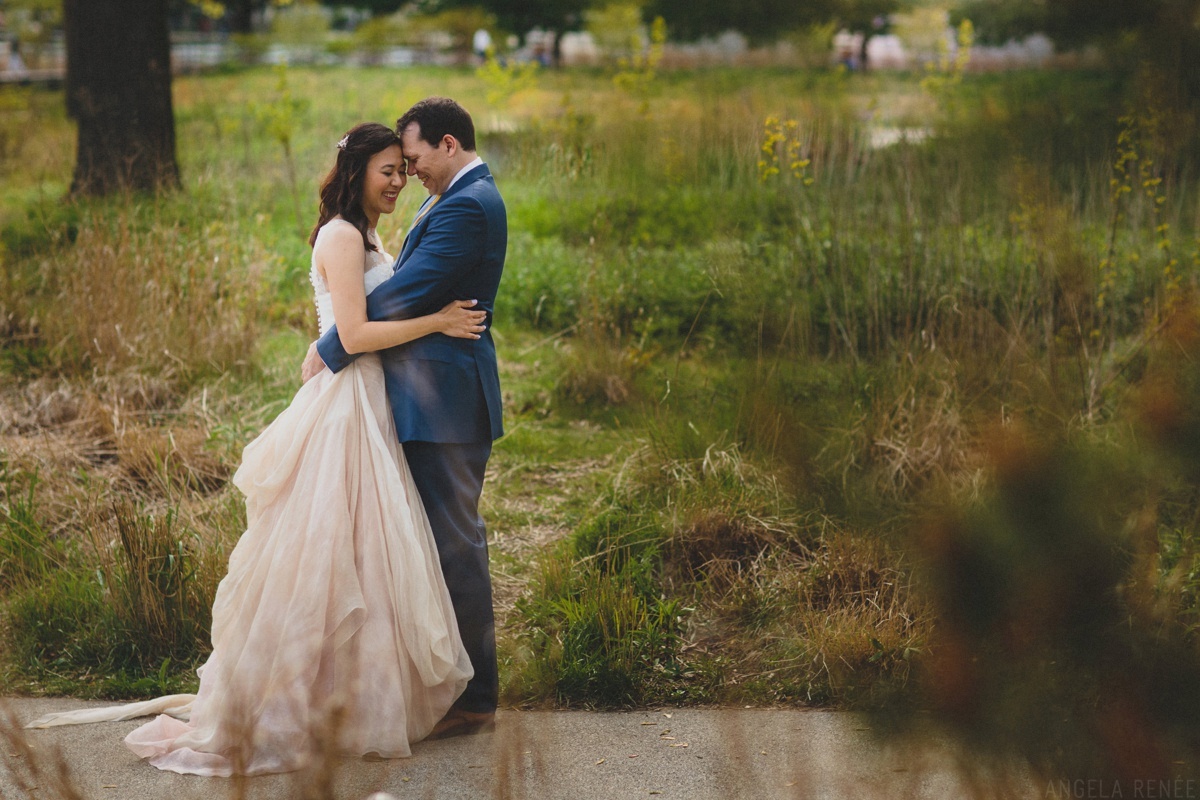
(345, 140)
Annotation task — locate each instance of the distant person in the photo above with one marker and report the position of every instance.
(335, 608)
(481, 43)
(16, 64)
(846, 57)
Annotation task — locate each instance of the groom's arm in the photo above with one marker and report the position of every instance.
(452, 244)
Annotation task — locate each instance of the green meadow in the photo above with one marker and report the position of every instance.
(793, 362)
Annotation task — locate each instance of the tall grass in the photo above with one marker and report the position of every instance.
(157, 588)
(124, 289)
(697, 581)
(27, 554)
(123, 617)
(870, 250)
(113, 535)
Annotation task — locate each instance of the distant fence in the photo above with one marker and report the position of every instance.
(45, 63)
(29, 77)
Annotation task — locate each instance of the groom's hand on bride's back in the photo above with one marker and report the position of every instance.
(312, 365)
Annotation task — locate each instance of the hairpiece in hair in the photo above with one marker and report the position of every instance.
(345, 140)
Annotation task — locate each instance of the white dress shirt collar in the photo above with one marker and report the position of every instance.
(464, 171)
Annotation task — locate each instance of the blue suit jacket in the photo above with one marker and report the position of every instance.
(443, 389)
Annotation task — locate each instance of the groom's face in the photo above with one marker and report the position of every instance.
(430, 163)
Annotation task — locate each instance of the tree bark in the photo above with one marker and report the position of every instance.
(119, 93)
(241, 15)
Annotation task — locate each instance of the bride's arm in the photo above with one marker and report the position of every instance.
(340, 256)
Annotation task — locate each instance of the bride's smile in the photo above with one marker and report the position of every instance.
(385, 178)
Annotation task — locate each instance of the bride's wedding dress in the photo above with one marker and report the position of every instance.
(333, 618)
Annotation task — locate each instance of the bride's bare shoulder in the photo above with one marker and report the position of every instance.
(338, 244)
(337, 229)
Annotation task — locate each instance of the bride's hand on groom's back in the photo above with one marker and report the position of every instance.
(458, 319)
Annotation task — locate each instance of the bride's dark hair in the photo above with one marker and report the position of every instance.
(341, 191)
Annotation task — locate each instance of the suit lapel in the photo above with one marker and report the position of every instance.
(414, 236)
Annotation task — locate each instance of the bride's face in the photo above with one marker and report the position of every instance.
(384, 179)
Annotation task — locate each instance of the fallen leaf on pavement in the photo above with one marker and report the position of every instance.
(601, 761)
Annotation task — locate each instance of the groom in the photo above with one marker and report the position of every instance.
(445, 392)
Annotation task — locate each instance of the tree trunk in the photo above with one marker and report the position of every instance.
(119, 93)
(241, 15)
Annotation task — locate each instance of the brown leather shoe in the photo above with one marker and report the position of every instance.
(463, 723)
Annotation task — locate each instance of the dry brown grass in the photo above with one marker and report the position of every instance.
(858, 611)
(35, 774)
(836, 621)
(600, 366)
(913, 438)
(122, 436)
(920, 439)
(786, 604)
(167, 460)
(719, 548)
(139, 293)
(537, 497)
(126, 485)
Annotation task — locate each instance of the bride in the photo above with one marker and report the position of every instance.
(333, 618)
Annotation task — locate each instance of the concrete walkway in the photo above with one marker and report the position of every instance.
(675, 753)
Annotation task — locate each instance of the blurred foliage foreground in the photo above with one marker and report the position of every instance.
(871, 391)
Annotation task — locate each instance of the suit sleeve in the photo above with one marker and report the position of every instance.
(453, 242)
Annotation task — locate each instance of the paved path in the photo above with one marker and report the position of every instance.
(677, 753)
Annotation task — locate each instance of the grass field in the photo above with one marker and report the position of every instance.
(763, 375)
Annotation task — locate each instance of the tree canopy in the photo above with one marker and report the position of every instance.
(520, 16)
(1164, 34)
(760, 20)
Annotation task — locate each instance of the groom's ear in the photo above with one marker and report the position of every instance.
(451, 144)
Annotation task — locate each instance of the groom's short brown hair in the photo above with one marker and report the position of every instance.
(438, 116)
